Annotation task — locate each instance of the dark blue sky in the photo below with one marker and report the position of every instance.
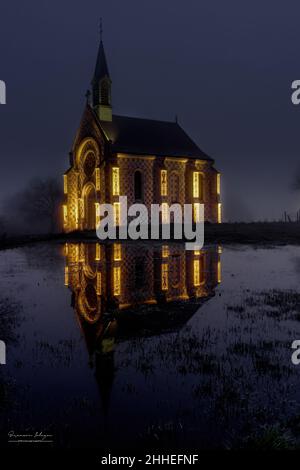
(225, 67)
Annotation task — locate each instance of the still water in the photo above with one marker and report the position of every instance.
(144, 345)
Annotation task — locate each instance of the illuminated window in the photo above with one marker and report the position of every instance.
(197, 252)
(164, 276)
(165, 251)
(198, 271)
(65, 215)
(66, 249)
(98, 179)
(116, 181)
(219, 213)
(65, 184)
(97, 209)
(117, 252)
(66, 276)
(163, 183)
(218, 184)
(117, 280)
(117, 214)
(77, 250)
(197, 212)
(164, 213)
(98, 252)
(198, 185)
(99, 287)
(219, 271)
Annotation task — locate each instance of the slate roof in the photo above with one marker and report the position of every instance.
(101, 69)
(149, 137)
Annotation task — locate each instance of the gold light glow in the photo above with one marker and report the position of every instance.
(81, 207)
(164, 276)
(65, 215)
(97, 209)
(165, 213)
(117, 213)
(165, 251)
(196, 183)
(117, 252)
(99, 286)
(81, 253)
(65, 184)
(196, 212)
(199, 271)
(77, 251)
(66, 249)
(66, 275)
(219, 213)
(98, 252)
(163, 182)
(219, 271)
(77, 214)
(98, 179)
(115, 181)
(117, 281)
(218, 184)
(196, 272)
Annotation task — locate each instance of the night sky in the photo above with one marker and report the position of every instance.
(224, 67)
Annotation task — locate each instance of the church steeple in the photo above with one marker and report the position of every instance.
(101, 85)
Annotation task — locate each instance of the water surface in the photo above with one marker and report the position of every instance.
(142, 345)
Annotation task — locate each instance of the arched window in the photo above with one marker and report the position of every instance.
(198, 185)
(138, 185)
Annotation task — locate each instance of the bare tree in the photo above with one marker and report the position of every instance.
(38, 204)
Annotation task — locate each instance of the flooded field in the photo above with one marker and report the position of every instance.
(150, 346)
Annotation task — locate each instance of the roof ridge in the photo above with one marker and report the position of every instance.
(145, 119)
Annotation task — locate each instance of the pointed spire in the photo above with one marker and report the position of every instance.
(101, 85)
(101, 69)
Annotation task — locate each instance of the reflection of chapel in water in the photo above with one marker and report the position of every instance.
(108, 280)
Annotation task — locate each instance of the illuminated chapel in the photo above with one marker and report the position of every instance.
(148, 161)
